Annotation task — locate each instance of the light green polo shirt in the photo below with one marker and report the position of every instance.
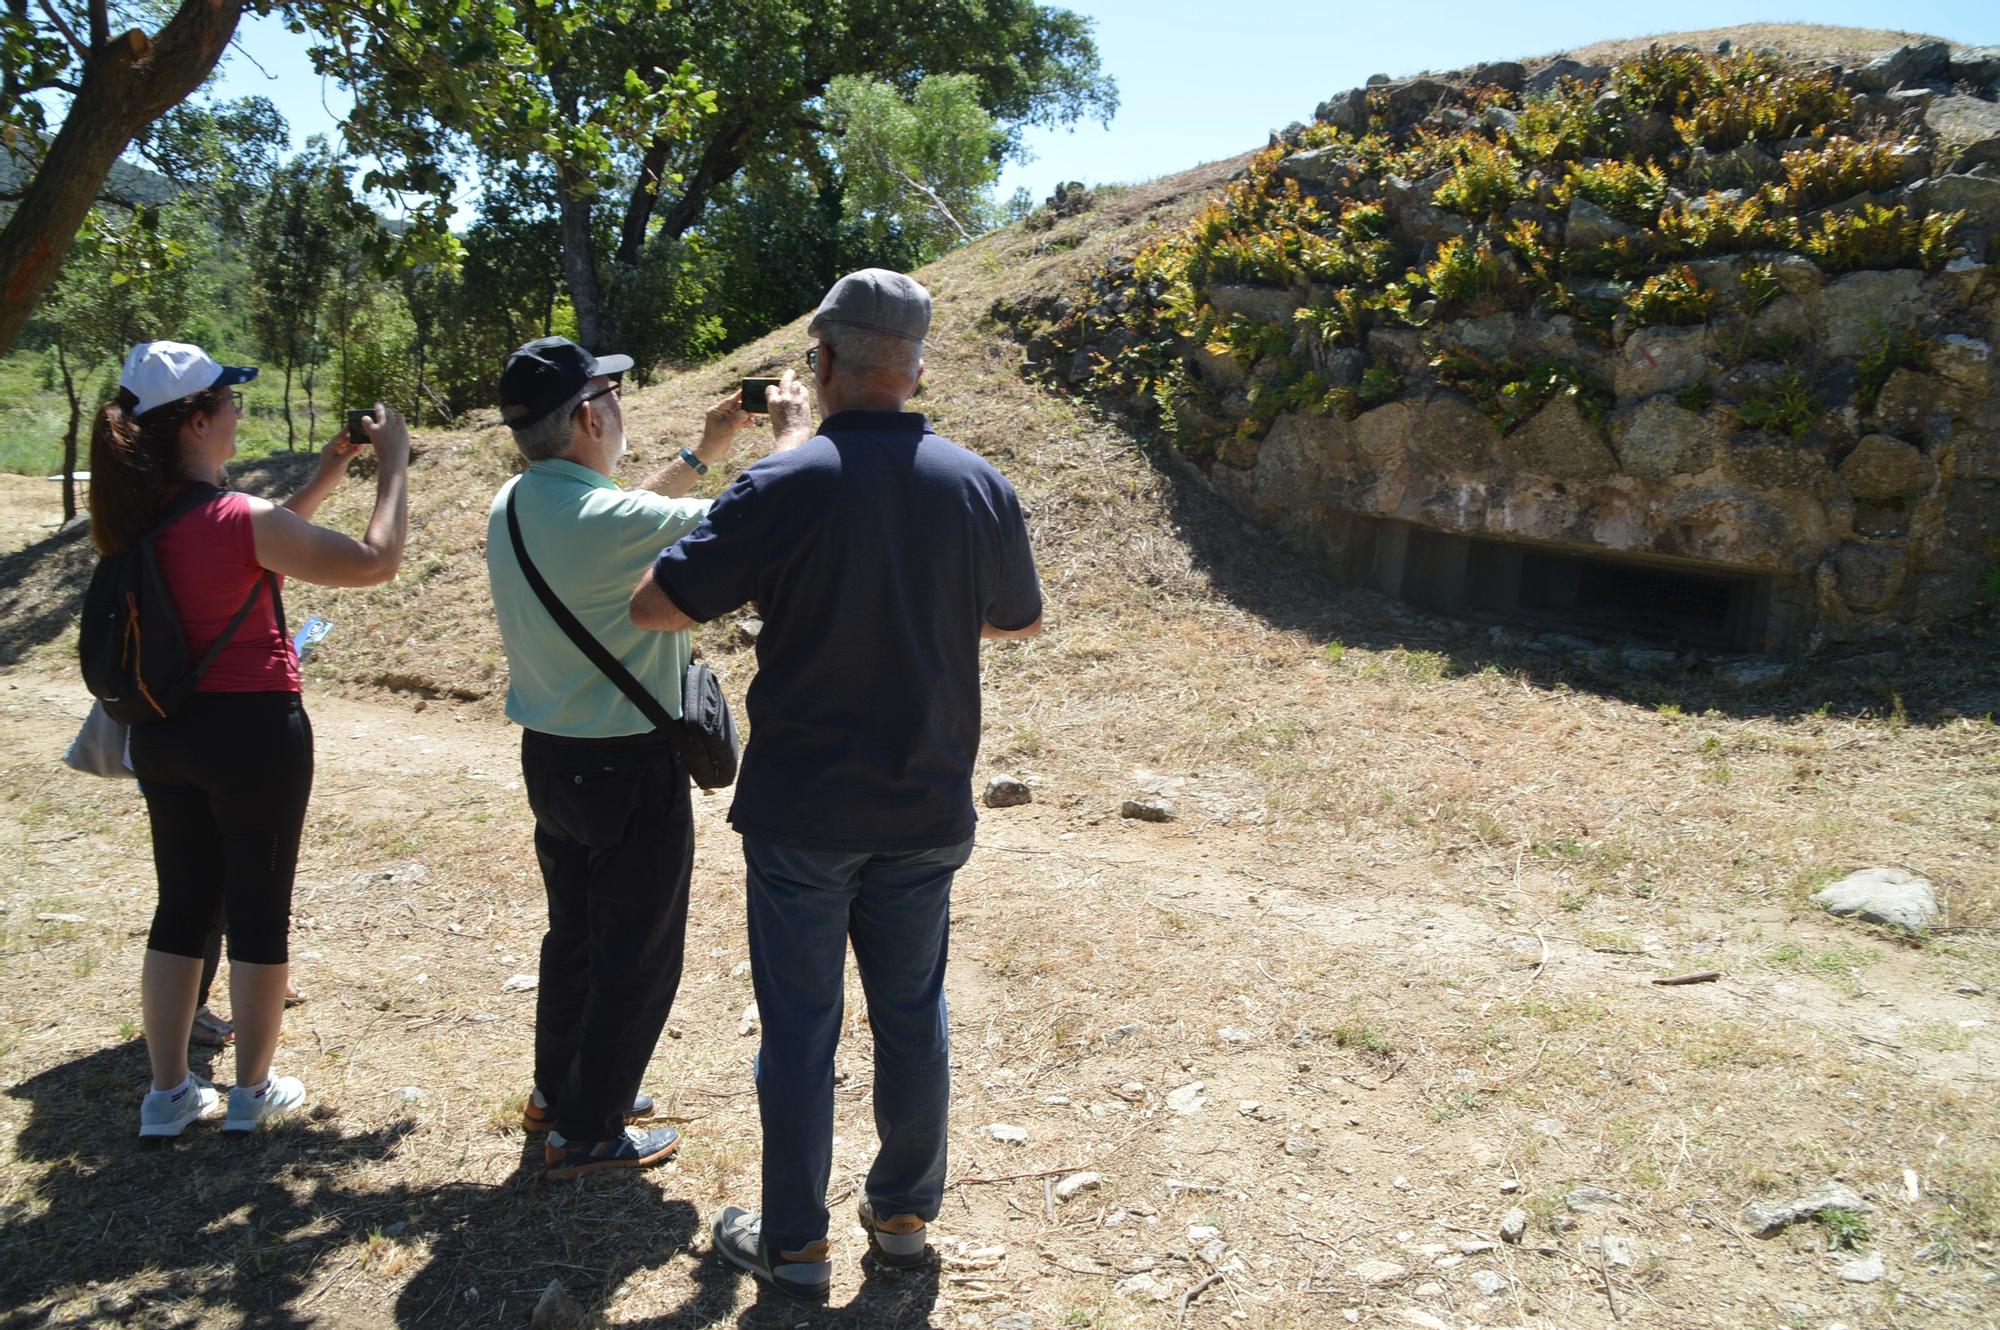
(590, 540)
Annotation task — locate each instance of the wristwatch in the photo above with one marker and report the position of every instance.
(700, 467)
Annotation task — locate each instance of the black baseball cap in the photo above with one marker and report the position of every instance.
(545, 373)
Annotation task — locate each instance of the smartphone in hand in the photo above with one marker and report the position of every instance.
(357, 429)
(756, 395)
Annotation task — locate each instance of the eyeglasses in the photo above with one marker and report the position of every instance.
(236, 400)
(609, 390)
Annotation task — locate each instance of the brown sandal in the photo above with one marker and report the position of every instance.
(210, 1030)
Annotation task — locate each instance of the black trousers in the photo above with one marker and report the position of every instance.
(226, 782)
(614, 831)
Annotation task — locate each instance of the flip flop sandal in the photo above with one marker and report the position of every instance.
(294, 998)
(210, 1030)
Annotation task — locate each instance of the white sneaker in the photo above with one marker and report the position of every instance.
(168, 1112)
(250, 1109)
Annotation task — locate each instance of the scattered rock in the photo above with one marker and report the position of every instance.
(1187, 1099)
(59, 919)
(1148, 1286)
(1147, 810)
(746, 1024)
(1618, 1251)
(1748, 674)
(1015, 1321)
(1514, 1225)
(557, 1310)
(1234, 1034)
(1120, 1033)
(748, 630)
(410, 1094)
(1248, 1107)
(1508, 1186)
(1007, 1133)
(1202, 1234)
(1884, 467)
(1301, 1147)
(1380, 1274)
(1007, 792)
(1919, 62)
(403, 875)
(1078, 1182)
(1766, 1219)
(521, 983)
(1894, 897)
(1864, 1270)
(1593, 1200)
(1489, 1283)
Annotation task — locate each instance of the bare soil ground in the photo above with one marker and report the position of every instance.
(1385, 978)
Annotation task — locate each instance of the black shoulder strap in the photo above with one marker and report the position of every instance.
(611, 667)
(193, 497)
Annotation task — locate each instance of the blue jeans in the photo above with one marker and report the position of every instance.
(805, 906)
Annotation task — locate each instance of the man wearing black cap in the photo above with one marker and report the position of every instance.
(879, 555)
(613, 824)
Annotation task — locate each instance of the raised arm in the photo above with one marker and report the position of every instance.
(654, 610)
(288, 542)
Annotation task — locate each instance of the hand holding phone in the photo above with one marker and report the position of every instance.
(756, 395)
(357, 429)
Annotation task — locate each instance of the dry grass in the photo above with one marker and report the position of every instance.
(1816, 41)
(1401, 934)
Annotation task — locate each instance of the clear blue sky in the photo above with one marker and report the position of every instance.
(1203, 80)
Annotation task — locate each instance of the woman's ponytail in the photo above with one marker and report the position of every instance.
(134, 461)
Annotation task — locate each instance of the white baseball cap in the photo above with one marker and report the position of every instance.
(160, 372)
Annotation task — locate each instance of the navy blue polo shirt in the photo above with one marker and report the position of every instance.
(875, 553)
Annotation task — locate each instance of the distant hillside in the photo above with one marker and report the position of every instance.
(127, 183)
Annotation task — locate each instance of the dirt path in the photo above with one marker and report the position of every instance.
(1349, 1067)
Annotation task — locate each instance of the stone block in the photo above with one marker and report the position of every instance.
(1659, 360)
(1919, 62)
(1964, 362)
(1977, 196)
(1321, 168)
(1658, 440)
(1882, 467)
(1850, 311)
(1777, 466)
(1915, 406)
(1218, 369)
(1492, 337)
(1729, 524)
(1869, 575)
(1558, 442)
(1382, 436)
(1452, 435)
(1799, 275)
(1506, 74)
(1962, 122)
(1591, 225)
(1270, 304)
(1304, 460)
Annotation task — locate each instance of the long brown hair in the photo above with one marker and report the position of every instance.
(134, 461)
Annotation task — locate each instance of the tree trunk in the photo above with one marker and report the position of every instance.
(69, 436)
(595, 328)
(288, 404)
(128, 82)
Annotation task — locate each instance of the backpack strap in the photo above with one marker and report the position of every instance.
(194, 496)
(609, 665)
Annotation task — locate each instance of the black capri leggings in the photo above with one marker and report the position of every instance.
(226, 783)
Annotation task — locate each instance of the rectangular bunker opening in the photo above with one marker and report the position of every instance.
(1675, 601)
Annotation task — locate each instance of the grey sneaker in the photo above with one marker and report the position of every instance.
(249, 1110)
(168, 1112)
(899, 1240)
(805, 1275)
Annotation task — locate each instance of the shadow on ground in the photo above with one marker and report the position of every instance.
(269, 1229)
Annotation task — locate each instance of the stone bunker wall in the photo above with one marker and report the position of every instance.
(1719, 410)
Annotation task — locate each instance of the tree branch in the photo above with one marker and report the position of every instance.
(82, 51)
(100, 25)
(936, 202)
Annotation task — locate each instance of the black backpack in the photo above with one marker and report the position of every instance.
(134, 656)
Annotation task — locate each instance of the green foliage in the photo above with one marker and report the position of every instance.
(1697, 396)
(1465, 272)
(1878, 237)
(1666, 81)
(1788, 406)
(923, 165)
(1720, 224)
(1673, 299)
(1564, 125)
(1888, 350)
(1759, 286)
(1758, 105)
(1839, 168)
(1844, 1228)
(1632, 192)
(1511, 391)
(1484, 182)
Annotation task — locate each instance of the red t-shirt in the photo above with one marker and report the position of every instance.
(209, 560)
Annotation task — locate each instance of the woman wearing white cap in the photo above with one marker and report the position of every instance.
(226, 779)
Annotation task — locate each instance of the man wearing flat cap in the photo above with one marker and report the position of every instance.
(613, 824)
(879, 554)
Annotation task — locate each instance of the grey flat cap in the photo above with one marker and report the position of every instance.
(878, 300)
